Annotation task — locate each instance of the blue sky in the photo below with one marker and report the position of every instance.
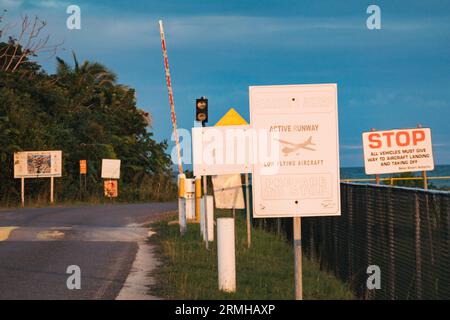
(395, 77)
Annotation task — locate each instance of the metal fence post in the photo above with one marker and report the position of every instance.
(418, 249)
(391, 236)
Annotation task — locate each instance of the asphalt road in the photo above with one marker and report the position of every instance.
(37, 246)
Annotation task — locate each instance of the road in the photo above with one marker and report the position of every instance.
(37, 246)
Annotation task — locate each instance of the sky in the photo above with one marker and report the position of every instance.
(395, 77)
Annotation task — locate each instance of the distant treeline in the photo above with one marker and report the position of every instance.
(84, 112)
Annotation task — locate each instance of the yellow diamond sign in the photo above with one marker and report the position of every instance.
(231, 118)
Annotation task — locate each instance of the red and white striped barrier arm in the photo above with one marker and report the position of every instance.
(169, 87)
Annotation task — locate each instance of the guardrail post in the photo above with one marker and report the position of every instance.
(226, 254)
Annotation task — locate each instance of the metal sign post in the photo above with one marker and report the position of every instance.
(198, 197)
(83, 172)
(52, 187)
(425, 180)
(205, 195)
(247, 209)
(298, 258)
(377, 176)
(424, 173)
(22, 191)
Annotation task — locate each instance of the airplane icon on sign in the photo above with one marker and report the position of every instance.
(290, 147)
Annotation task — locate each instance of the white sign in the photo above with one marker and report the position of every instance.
(37, 164)
(222, 150)
(228, 192)
(302, 179)
(393, 151)
(110, 169)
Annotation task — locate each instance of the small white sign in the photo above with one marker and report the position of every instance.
(110, 169)
(37, 164)
(228, 192)
(222, 150)
(302, 178)
(394, 151)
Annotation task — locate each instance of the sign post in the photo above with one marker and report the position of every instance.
(205, 196)
(22, 191)
(247, 210)
(424, 173)
(296, 171)
(198, 197)
(425, 180)
(298, 258)
(52, 187)
(377, 176)
(83, 172)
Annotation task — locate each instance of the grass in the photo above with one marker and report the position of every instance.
(41, 202)
(266, 271)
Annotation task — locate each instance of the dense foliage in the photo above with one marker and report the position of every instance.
(84, 112)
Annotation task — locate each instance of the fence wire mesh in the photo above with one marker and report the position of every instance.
(403, 231)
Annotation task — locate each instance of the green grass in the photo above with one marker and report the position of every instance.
(91, 201)
(266, 271)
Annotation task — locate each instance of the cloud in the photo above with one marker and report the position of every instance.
(13, 4)
(9, 4)
(389, 99)
(110, 31)
(351, 147)
(50, 3)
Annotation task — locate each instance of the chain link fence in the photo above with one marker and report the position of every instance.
(403, 231)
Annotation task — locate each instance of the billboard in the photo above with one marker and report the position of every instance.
(301, 177)
(37, 164)
(110, 169)
(394, 151)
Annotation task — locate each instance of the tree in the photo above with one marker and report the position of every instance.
(30, 42)
(84, 112)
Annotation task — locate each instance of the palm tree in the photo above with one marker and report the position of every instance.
(88, 83)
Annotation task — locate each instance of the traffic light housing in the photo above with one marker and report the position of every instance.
(201, 110)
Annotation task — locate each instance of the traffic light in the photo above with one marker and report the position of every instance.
(201, 110)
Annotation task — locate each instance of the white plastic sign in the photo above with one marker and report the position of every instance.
(300, 175)
(222, 150)
(393, 151)
(228, 193)
(37, 164)
(110, 169)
